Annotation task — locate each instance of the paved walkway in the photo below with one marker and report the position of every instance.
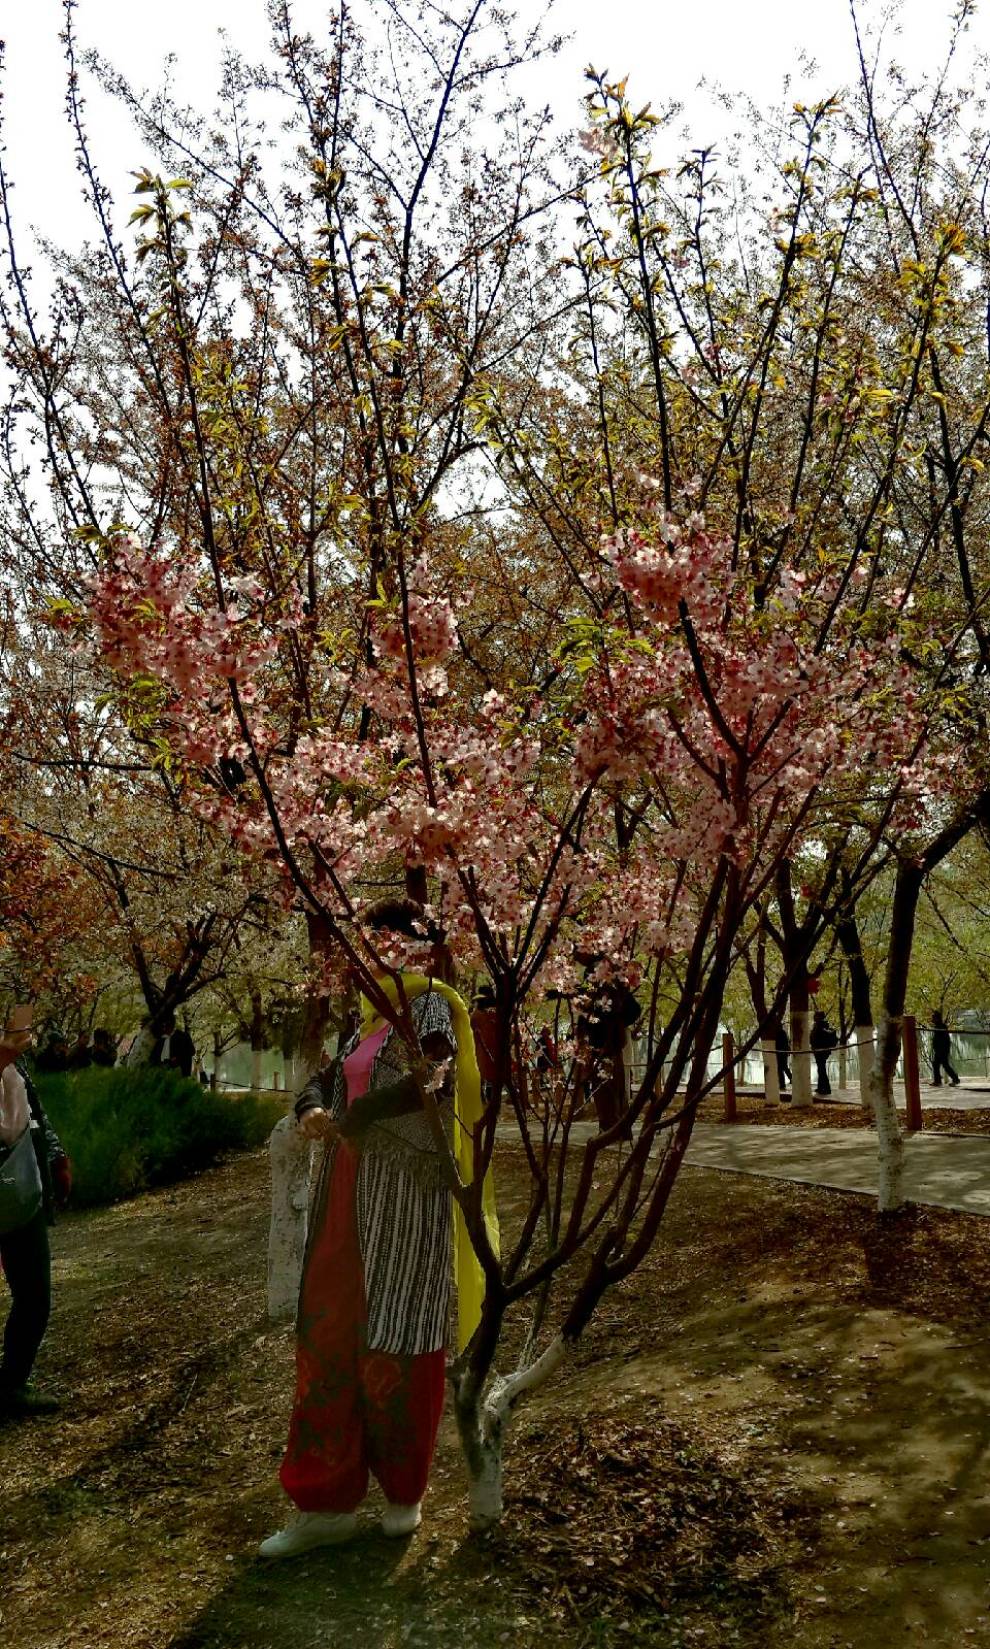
(944, 1170)
(948, 1171)
(972, 1094)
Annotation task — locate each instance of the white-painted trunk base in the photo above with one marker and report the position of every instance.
(483, 1429)
(890, 1140)
(291, 1156)
(485, 1500)
(139, 1051)
(800, 1058)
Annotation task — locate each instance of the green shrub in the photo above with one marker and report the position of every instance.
(129, 1129)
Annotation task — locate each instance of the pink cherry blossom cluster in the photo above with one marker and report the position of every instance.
(742, 738)
(432, 629)
(152, 618)
(674, 564)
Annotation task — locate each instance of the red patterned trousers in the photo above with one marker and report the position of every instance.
(356, 1411)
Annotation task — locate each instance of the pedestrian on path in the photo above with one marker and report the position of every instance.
(374, 1301)
(823, 1039)
(941, 1050)
(782, 1042)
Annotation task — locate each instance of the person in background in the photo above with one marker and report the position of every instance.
(823, 1039)
(782, 1043)
(53, 1056)
(174, 1047)
(941, 1052)
(547, 1052)
(79, 1055)
(25, 1253)
(103, 1051)
(484, 1025)
(605, 1027)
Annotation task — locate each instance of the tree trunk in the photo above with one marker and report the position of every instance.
(482, 1439)
(290, 1155)
(794, 952)
(257, 1039)
(890, 1140)
(847, 933)
(865, 1048)
(217, 1056)
(843, 1068)
(907, 890)
(139, 1051)
(801, 1093)
(317, 1015)
(756, 972)
(482, 1422)
(771, 1083)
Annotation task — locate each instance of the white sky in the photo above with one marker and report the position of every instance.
(667, 47)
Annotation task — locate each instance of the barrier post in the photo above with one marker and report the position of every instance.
(912, 1075)
(729, 1076)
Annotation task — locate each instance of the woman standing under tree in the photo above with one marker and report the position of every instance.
(375, 1294)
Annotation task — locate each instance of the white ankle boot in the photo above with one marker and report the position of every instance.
(402, 1520)
(308, 1530)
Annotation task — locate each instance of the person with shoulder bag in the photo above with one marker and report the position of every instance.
(35, 1175)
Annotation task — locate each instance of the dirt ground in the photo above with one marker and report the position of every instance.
(777, 1434)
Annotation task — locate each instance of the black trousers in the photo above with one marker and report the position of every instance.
(27, 1264)
(824, 1086)
(940, 1063)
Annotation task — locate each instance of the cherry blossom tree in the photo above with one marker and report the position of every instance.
(600, 602)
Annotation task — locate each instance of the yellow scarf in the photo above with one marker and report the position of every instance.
(468, 1110)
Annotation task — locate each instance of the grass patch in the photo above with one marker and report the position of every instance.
(126, 1130)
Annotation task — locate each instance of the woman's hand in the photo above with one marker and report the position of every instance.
(316, 1123)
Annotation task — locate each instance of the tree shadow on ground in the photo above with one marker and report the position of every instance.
(811, 1351)
(778, 1339)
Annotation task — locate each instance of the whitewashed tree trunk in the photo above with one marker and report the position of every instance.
(865, 1049)
(482, 1421)
(139, 1051)
(771, 1082)
(800, 1057)
(290, 1155)
(890, 1140)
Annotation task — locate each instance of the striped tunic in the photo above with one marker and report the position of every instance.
(403, 1203)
